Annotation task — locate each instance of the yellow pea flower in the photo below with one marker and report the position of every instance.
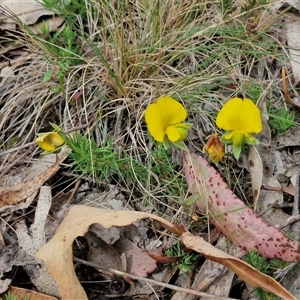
(50, 141)
(215, 148)
(239, 117)
(164, 120)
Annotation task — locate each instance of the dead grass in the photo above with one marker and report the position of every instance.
(124, 55)
(130, 53)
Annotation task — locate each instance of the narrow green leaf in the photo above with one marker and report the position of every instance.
(47, 76)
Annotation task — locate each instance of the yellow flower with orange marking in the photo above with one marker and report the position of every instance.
(215, 148)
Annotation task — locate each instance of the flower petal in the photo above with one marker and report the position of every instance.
(173, 133)
(241, 115)
(172, 111)
(227, 137)
(237, 138)
(214, 148)
(50, 141)
(155, 122)
(164, 112)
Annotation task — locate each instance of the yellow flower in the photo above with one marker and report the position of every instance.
(240, 118)
(214, 148)
(50, 141)
(164, 120)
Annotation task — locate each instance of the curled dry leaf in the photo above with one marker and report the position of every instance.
(26, 11)
(57, 253)
(14, 194)
(242, 269)
(231, 216)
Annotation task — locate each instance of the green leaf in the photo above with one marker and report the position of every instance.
(47, 76)
(236, 151)
(191, 200)
(180, 145)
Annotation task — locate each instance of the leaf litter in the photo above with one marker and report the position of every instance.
(57, 253)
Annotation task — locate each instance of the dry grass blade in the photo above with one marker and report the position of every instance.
(95, 76)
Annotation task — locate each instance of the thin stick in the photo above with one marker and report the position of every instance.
(284, 85)
(9, 166)
(151, 281)
(17, 148)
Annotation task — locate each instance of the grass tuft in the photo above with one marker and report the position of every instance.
(110, 59)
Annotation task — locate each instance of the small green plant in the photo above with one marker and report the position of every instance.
(276, 264)
(9, 296)
(101, 162)
(280, 120)
(187, 261)
(58, 71)
(65, 55)
(262, 295)
(63, 47)
(258, 262)
(253, 90)
(265, 266)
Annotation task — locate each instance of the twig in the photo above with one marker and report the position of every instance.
(291, 220)
(9, 166)
(17, 148)
(74, 190)
(151, 281)
(284, 85)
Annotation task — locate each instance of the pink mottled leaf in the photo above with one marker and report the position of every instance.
(231, 216)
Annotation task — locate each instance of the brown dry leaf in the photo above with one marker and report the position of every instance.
(163, 259)
(14, 194)
(256, 171)
(212, 277)
(57, 253)
(293, 38)
(51, 23)
(291, 138)
(32, 295)
(27, 11)
(138, 261)
(242, 269)
(102, 253)
(290, 189)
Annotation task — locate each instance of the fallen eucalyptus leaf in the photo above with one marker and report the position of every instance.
(231, 216)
